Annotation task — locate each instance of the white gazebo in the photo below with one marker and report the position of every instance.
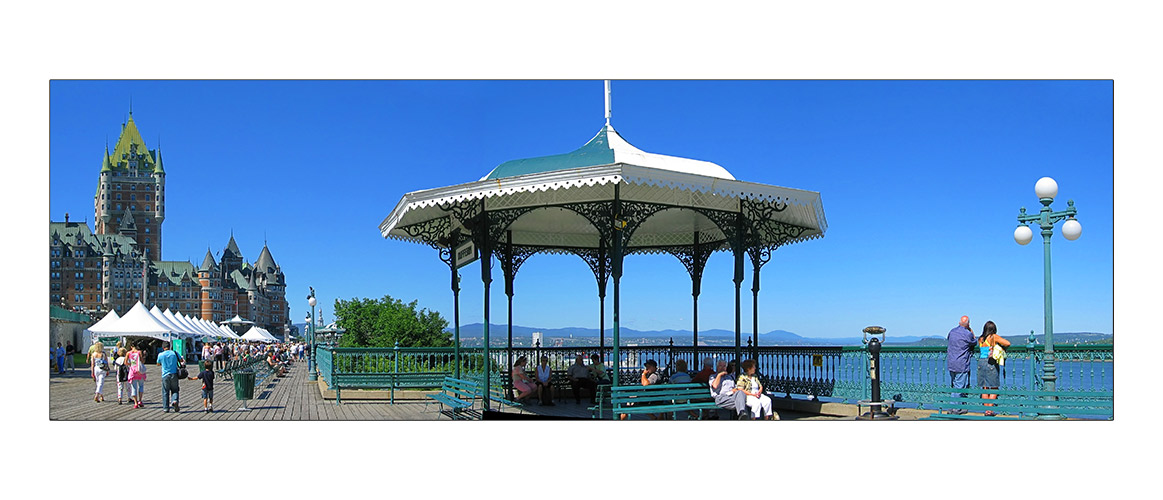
(601, 202)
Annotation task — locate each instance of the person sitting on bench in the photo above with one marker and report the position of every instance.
(579, 378)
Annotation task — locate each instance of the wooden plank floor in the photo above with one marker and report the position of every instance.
(288, 398)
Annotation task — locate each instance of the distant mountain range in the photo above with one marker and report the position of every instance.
(774, 337)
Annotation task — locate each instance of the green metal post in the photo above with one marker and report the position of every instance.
(1048, 368)
(312, 366)
(487, 279)
(395, 367)
(455, 309)
(616, 262)
(738, 248)
(1033, 362)
(1046, 220)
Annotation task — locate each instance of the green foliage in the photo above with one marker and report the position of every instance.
(383, 322)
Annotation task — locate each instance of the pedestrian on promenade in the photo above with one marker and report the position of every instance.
(69, 352)
(94, 347)
(168, 360)
(207, 378)
(135, 360)
(960, 344)
(122, 371)
(987, 364)
(579, 378)
(217, 353)
(545, 382)
(60, 355)
(207, 353)
(750, 386)
(525, 386)
(98, 368)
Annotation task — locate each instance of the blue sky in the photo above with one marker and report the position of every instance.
(921, 183)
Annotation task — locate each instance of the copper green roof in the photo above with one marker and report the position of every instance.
(173, 271)
(265, 263)
(208, 263)
(232, 247)
(595, 152)
(66, 233)
(123, 150)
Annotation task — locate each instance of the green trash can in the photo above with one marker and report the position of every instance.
(244, 387)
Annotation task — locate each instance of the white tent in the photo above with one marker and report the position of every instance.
(161, 317)
(140, 323)
(199, 326)
(100, 327)
(227, 333)
(176, 319)
(258, 334)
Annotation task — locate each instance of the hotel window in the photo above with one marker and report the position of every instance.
(118, 196)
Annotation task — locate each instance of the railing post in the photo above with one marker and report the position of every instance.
(395, 370)
(670, 356)
(1030, 348)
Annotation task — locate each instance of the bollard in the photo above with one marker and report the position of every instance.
(876, 404)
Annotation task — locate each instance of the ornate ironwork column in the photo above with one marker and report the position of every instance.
(485, 243)
(737, 247)
(511, 259)
(694, 258)
(616, 263)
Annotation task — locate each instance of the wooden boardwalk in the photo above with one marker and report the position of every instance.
(288, 398)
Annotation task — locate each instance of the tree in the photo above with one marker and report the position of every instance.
(383, 322)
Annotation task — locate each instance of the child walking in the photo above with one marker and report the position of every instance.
(207, 378)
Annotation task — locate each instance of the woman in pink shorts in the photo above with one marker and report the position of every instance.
(524, 385)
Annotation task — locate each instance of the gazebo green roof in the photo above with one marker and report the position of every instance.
(595, 152)
(606, 148)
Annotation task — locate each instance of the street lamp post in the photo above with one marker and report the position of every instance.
(310, 332)
(1046, 189)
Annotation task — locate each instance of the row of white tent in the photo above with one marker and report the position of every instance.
(142, 322)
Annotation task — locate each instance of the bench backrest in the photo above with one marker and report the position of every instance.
(466, 389)
(658, 392)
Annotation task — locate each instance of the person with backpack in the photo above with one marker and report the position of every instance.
(987, 364)
(135, 360)
(98, 368)
(122, 374)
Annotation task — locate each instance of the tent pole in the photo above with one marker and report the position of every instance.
(616, 261)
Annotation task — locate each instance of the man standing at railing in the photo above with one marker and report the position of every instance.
(961, 343)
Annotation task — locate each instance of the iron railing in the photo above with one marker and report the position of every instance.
(913, 376)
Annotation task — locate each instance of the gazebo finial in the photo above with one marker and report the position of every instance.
(607, 103)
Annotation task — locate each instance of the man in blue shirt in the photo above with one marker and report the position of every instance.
(961, 343)
(168, 360)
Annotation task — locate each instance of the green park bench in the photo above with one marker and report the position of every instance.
(1023, 404)
(457, 395)
(602, 402)
(498, 391)
(390, 381)
(660, 398)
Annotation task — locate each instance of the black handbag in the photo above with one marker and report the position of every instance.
(182, 372)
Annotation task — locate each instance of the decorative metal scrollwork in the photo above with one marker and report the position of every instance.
(600, 263)
(431, 231)
(500, 220)
(511, 259)
(633, 214)
(598, 213)
(466, 212)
